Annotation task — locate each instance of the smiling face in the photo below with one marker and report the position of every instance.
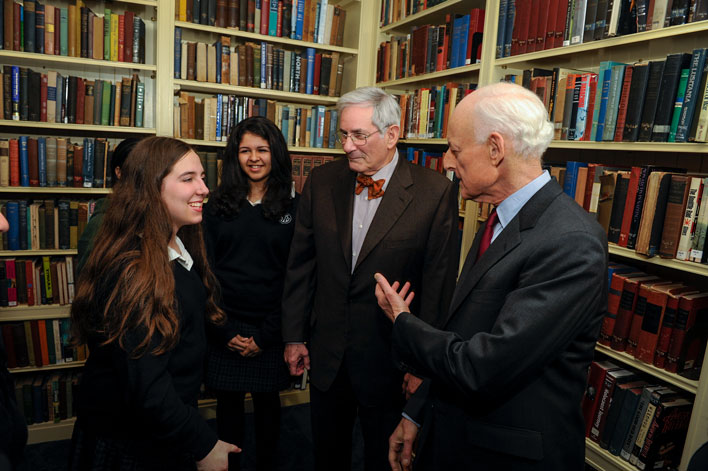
(183, 191)
(254, 157)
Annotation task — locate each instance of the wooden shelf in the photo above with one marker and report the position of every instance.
(691, 267)
(603, 460)
(88, 128)
(149, 3)
(33, 253)
(50, 431)
(687, 147)
(671, 378)
(264, 37)
(428, 14)
(304, 150)
(33, 59)
(40, 369)
(465, 69)
(424, 141)
(594, 46)
(27, 313)
(55, 190)
(207, 87)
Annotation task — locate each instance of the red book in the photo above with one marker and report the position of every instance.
(612, 378)
(11, 282)
(29, 271)
(657, 300)
(128, 52)
(474, 36)
(121, 38)
(685, 340)
(316, 77)
(596, 378)
(57, 31)
(628, 302)
(613, 303)
(549, 40)
(43, 347)
(560, 22)
(441, 50)
(541, 24)
(14, 150)
(33, 162)
(16, 27)
(279, 26)
(80, 99)
(638, 315)
(519, 35)
(43, 99)
(265, 14)
(622, 107)
(533, 26)
(629, 206)
(667, 327)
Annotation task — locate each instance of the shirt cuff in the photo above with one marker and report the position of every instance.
(406, 416)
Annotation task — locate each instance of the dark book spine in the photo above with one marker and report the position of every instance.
(71, 102)
(24, 94)
(638, 207)
(651, 99)
(618, 209)
(635, 105)
(64, 238)
(35, 105)
(39, 28)
(667, 97)
(657, 226)
(29, 25)
(692, 95)
(84, 32)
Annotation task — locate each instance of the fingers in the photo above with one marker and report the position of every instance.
(406, 454)
(234, 449)
(394, 452)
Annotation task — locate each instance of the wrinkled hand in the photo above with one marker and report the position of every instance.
(391, 300)
(218, 457)
(297, 358)
(252, 349)
(238, 343)
(400, 446)
(411, 383)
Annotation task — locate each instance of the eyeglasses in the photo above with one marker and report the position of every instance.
(358, 138)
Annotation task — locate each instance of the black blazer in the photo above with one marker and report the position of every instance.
(413, 236)
(509, 369)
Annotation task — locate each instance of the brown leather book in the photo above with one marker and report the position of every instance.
(78, 166)
(191, 61)
(673, 219)
(80, 100)
(33, 162)
(73, 50)
(225, 58)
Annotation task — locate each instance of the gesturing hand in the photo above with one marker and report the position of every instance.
(400, 446)
(392, 301)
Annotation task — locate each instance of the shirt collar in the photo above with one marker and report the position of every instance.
(511, 206)
(386, 172)
(183, 258)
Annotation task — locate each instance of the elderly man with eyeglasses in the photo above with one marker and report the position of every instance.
(372, 211)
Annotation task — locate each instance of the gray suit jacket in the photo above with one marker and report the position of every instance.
(509, 367)
(413, 236)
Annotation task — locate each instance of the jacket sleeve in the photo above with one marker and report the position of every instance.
(300, 277)
(558, 299)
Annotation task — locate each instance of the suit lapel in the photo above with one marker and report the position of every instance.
(343, 200)
(395, 200)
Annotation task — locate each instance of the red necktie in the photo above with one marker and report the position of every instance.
(375, 186)
(488, 231)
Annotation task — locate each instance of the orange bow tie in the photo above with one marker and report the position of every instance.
(375, 186)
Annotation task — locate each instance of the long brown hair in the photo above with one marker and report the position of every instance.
(130, 251)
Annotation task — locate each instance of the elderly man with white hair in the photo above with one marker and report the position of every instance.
(508, 365)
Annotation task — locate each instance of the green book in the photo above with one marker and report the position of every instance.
(50, 342)
(106, 103)
(107, 35)
(139, 105)
(63, 31)
(678, 105)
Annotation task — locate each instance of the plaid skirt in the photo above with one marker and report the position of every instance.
(90, 452)
(226, 370)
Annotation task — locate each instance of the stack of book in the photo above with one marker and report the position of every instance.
(431, 48)
(426, 158)
(307, 20)
(28, 95)
(74, 31)
(45, 224)
(259, 65)
(425, 112)
(36, 282)
(658, 101)
(303, 165)
(534, 25)
(392, 12)
(47, 397)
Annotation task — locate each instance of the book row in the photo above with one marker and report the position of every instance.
(36, 343)
(567, 22)
(652, 210)
(303, 165)
(74, 31)
(213, 118)
(658, 321)
(425, 112)
(45, 224)
(48, 397)
(396, 10)
(634, 418)
(28, 95)
(55, 162)
(259, 65)
(431, 48)
(658, 101)
(307, 20)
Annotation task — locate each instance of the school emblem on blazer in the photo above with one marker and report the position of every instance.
(286, 219)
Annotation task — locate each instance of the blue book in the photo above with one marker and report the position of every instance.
(87, 168)
(456, 32)
(501, 29)
(178, 53)
(196, 8)
(310, 70)
(273, 20)
(13, 218)
(264, 63)
(607, 75)
(692, 95)
(24, 162)
(42, 160)
(320, 126)
(15, 93)
(218, 116)
(285, 120)
(464, 36)
(333, 128)
(29, 25)
(571, 177)
(510, 17)
(217, 46)
(613, 99)
(22, 217)
(300, 19)
(410, 154)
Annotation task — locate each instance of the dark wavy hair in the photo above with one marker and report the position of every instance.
(231, 194)
(130, 253)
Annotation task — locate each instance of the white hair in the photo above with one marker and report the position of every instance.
(516, 113)
(386, 109)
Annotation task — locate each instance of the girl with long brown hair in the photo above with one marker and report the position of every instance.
(142, 302)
